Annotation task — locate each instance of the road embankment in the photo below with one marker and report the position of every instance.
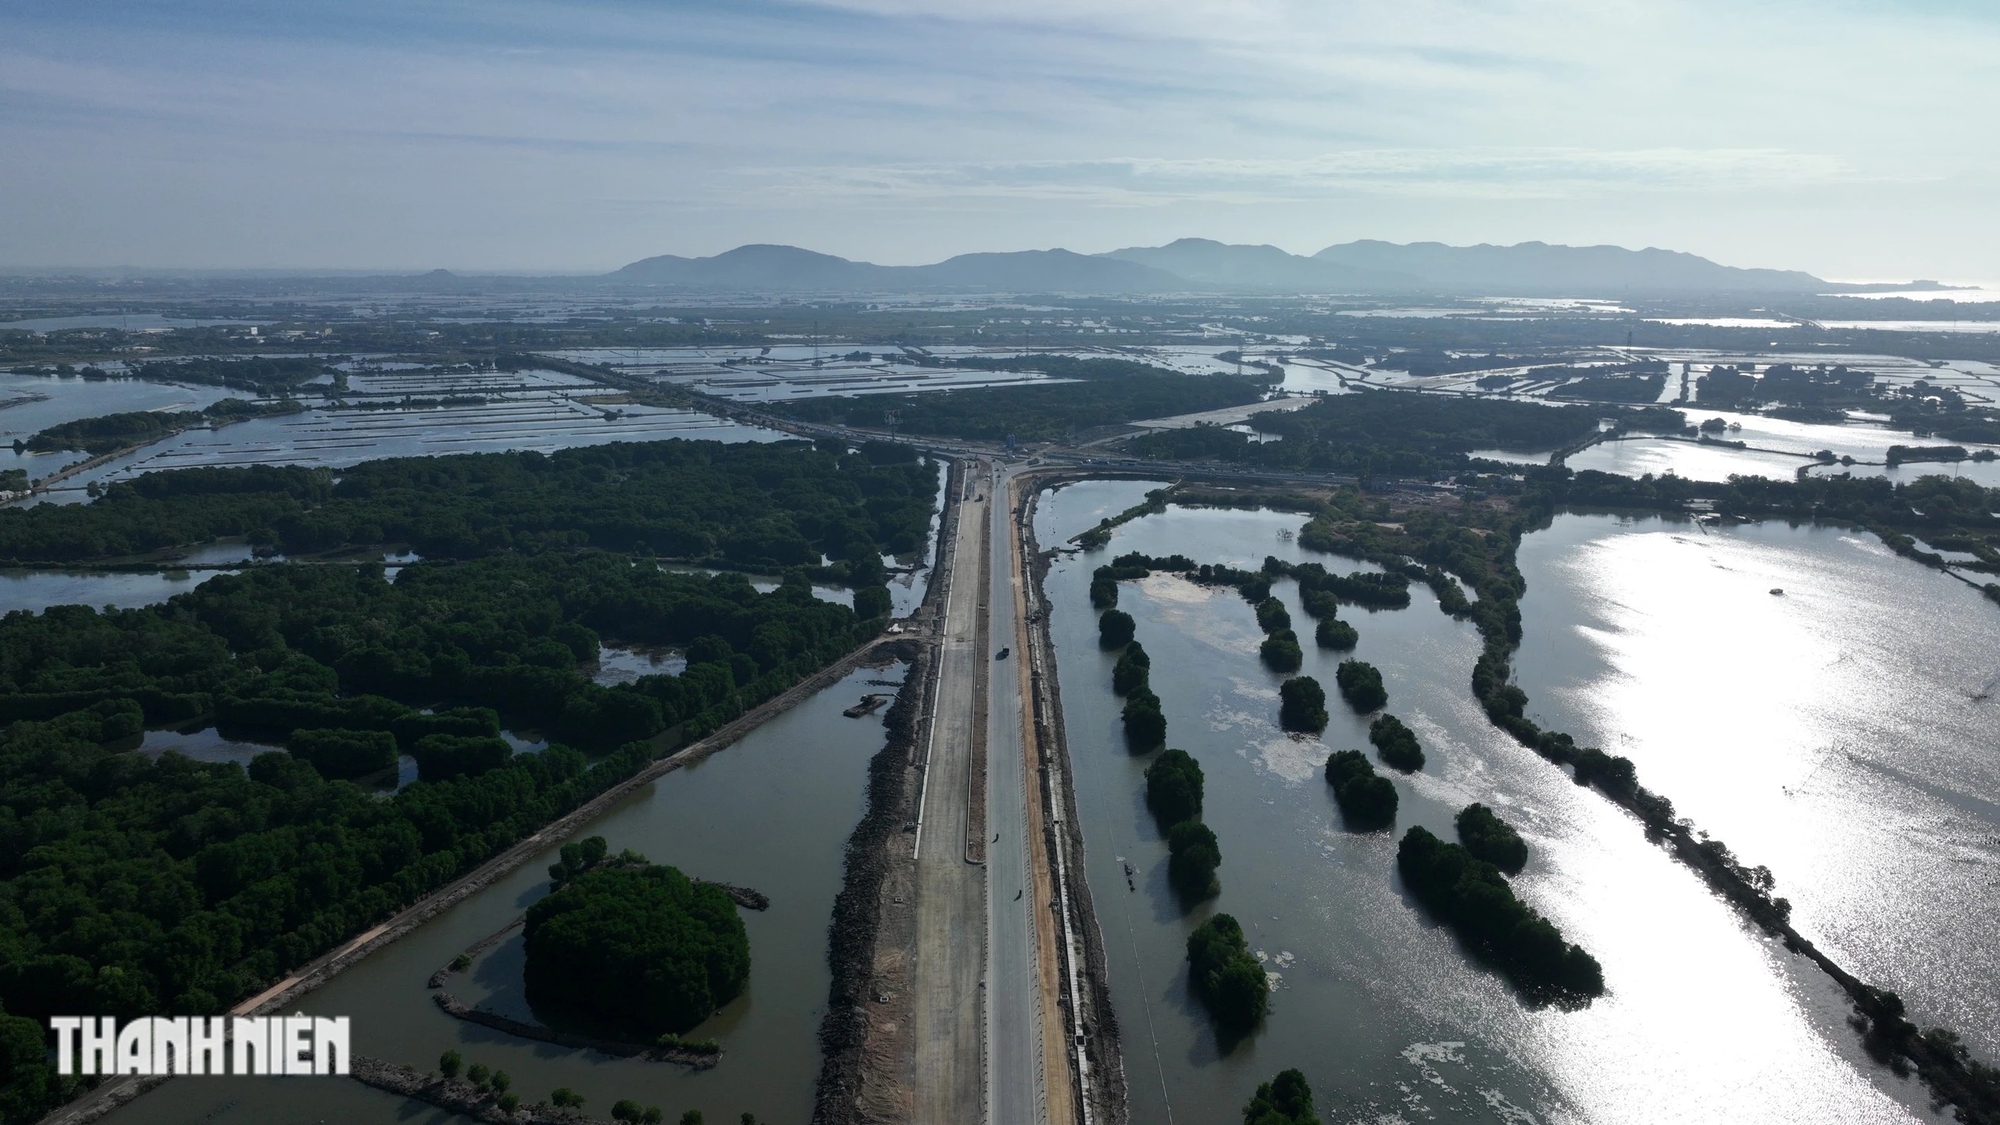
(1098, 1062)
(866, 1052)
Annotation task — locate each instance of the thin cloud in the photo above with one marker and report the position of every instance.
(1471, 174)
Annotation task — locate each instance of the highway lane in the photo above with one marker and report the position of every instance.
(951, 892)
(1017, 1084)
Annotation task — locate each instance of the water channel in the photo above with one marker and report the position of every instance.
(1704, 1020)
(772, 812)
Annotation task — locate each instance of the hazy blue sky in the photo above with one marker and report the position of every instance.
(1853, 138)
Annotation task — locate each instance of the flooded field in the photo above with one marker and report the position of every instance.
(785, 371)
(1704, 1019)
(548, 416)
(1977, 381)
(1778, 450)
(782, 372)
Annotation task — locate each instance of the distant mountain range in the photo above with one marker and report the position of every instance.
(1204, 265)
(765, 268)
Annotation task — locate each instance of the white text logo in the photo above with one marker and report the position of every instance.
(296, 1044)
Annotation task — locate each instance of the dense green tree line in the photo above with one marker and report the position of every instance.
(1396, 743)
(1322, 593)
(636, 945)
(1174, 788)
(1613, 388)
(1175, 563)
(1280, 649)
(1336, 635)
(1193, 854)
(1361, 685)
(1227, 978)
(1302, 705)
(1106, 392)
(1471, 896)
(1096, 538)
(1382, 433)
(1491, 839)
(1932, 506)
(1115, 628)
(262, 375)
(1174, 779)
(1133, 670)
(344, 753)
(1281, 652)
(1285, 1100)
(1367, 799)
(749, 504)
(1144, 721)
(286, 648)
(1272, 615)
(109, 432)
(1927, 503)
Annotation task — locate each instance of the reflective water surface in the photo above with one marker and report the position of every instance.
(1659, 456)
(31, 403)
(1843, 733)
(36, 590)
(1704, 1019)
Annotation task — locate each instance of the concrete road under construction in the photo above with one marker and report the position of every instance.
(989, 1029)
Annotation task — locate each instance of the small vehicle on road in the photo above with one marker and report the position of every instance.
(1002, 654)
